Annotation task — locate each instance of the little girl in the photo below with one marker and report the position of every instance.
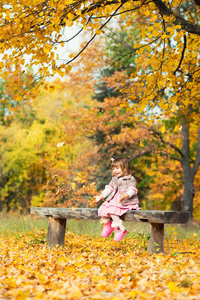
(121, 196)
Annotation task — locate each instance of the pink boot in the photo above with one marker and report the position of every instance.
(119, 234)
(120, 230)
(107, 229)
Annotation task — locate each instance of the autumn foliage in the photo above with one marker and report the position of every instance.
(92, 268)
(136, 94)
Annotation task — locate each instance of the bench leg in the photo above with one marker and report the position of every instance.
(156, 241)
(56, 232)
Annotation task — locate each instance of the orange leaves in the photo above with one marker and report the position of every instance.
(31, 31)
(97, 268)
(57, 154)
(29, 25)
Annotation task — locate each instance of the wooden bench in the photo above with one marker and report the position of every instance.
(156, 219)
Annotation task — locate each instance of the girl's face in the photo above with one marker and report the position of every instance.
(117, 171)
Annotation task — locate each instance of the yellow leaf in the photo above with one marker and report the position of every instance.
(47, 48)
(132, 294)
(153, 19)
(172, 228)
(192, 263)
(51, 88)
(177, 128)
(70, 16)
(74, 293)
(73, 185)
(141, 144)
(172, 286)
(162, 129)
(79, 11)
(69, 23)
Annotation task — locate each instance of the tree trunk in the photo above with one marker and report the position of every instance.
(188, 193)
(188, 174)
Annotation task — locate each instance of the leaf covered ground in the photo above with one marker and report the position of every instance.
(97, 268)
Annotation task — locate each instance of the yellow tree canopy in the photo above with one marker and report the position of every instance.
(35, 27)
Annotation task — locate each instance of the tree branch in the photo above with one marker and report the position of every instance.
(185, 25)
(157, 133)
(142, 154)
(197, 2)
(132, 51)
(92, 38)
(119, 40)
(182, 55)
(163, 56)
(172, 157)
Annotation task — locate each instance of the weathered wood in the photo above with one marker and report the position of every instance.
(56, 232)
(151, 216)
(156, 241)
(66, 213)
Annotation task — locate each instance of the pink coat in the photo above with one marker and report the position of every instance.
(123, 185)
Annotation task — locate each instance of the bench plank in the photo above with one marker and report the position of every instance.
(151, 216)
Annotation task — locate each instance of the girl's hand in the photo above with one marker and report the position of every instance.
(124, 196)
(98, 198)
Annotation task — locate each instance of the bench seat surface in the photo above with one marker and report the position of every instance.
(151, 216)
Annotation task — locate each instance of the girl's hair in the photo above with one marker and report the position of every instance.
(123, 163)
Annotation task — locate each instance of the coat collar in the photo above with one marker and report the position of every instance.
(122, 178)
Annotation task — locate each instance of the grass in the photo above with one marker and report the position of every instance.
(94, 228)
(13, 223)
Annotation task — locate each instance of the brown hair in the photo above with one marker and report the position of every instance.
(123, 163)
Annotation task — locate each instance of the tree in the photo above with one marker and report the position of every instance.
(154, 69)
(38, 160)
(166, 73)
(168, 86)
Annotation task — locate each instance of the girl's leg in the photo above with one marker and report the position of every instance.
(104, 220)
(117, 222)
(120, 230)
